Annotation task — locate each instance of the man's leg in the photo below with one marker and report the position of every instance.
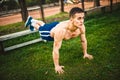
(37, 23)
(33, 23)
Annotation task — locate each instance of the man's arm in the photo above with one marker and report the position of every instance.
(84, 44)
(58, 37)
(56, 47)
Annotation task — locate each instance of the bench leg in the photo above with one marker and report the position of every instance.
(103, 9)
(1, 48)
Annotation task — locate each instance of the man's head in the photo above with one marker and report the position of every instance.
(75, 10)
(76, 15)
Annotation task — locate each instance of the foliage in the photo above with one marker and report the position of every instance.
(6, 5)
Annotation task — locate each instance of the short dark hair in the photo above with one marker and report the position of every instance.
(75, 10)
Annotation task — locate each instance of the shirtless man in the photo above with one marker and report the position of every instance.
(59, 31)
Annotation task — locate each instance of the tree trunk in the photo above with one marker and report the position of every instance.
(83, 4)
(42, 11)
(24, 11)
(111, 5)
(62, 6)
(96, 3)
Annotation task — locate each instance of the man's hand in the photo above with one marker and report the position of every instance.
(59, 69)
(88, 56)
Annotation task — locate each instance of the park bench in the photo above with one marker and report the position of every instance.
(15, 35)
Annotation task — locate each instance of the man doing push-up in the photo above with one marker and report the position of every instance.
(59, 31)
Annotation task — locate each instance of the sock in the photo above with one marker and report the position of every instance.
(33, 24)
(34, 20)
(42, 24)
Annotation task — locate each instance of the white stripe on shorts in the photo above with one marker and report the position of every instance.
(44, 35)
(44, 31)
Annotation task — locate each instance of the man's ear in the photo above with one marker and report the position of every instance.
(71, 19)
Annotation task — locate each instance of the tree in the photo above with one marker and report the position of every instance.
(96, 3)
(24, 11)
(83, 4)
(41, 10)
(62, 5)
(111, 5)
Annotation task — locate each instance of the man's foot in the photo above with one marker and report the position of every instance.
(28, 22)
(31, 27)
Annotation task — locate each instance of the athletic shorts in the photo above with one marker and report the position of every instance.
(44, 31)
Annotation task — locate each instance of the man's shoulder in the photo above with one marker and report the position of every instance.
(58, 28)
(62, 24)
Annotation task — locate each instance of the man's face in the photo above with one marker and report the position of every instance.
(78, 19)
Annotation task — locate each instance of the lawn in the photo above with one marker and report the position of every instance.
(35, 62)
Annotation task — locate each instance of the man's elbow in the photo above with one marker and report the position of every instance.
(83, 41)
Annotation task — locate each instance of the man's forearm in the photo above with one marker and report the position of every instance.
(84, 46)
(86, 55)
(56, 58)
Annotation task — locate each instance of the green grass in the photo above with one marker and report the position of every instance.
(34, 62)
(7, 29)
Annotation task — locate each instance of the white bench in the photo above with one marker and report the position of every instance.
(15, 35)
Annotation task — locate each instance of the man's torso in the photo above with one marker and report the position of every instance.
(62, 27)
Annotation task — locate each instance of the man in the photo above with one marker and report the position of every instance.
(59, 31)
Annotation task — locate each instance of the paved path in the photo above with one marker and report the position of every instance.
(47, 11)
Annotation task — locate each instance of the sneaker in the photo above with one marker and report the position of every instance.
(28, 22)
(31, 27)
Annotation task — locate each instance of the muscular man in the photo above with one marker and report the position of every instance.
(59, 31)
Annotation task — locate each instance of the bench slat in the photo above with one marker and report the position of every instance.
(22, 44)
(14, 35)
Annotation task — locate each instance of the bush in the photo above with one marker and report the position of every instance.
(6, 5)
